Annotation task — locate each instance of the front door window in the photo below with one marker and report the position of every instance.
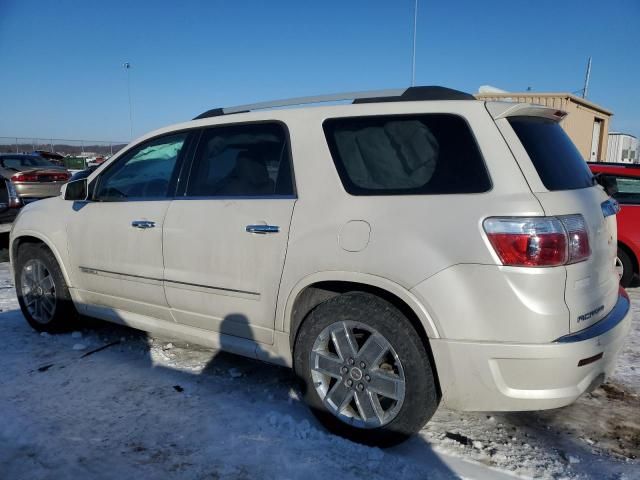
(144, 173)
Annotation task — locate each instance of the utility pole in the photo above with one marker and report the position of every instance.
(127, 67)
(413, 53)
(585, 90)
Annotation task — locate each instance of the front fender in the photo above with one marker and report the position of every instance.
(44, 221)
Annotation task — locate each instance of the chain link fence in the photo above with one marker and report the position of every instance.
(64, 147)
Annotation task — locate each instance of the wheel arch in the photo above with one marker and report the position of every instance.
(37, 238)
(317, 288)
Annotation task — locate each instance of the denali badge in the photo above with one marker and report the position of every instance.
(587, 316)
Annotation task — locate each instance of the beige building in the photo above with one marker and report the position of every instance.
(587, 123)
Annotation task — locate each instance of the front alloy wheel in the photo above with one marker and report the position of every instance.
(38, 290)
(43, 294)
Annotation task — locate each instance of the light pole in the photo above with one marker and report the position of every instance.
(413, 53)
(127, 67)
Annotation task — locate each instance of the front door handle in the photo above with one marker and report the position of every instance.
(262, 229)
(143, 224)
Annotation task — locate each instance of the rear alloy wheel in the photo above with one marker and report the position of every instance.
(362, 386)
(624, 267)
(43, 294)
(364, 370)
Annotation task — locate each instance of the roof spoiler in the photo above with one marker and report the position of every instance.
(500, 110)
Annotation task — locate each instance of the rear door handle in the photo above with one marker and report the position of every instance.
(262, 229)
(143, 224)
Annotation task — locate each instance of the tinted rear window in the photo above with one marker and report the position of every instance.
(404, 155)
(555, 157)
(25, 161)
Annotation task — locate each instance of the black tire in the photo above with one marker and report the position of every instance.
(64, 315)
(421, 396)
(627, 268)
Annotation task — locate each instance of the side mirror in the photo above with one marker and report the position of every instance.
(75, 190)
(609, 183)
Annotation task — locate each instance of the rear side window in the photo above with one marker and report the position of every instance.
(242, 161)
(406, 155)
(555, 157)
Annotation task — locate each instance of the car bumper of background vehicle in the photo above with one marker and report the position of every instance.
(484, 376)
(35, 191)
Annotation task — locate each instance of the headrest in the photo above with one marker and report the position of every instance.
(250, 169)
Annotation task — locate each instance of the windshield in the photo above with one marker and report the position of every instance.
(20, 163)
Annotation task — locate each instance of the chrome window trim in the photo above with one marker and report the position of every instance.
(239, 197)
(209, 197)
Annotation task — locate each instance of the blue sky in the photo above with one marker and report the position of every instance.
(62, 74)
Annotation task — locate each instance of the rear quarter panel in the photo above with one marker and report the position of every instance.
(410, 238)
(592, 285)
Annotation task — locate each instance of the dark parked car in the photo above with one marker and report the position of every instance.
(10, 205)
(32, 176)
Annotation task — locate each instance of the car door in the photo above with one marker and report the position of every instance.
(115, 238)
(225, 238)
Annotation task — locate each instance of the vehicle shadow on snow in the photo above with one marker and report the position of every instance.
(216, 415)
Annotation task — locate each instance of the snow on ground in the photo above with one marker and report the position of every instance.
(156, 408)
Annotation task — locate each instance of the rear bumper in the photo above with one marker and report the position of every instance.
(485, 376)
(38, 190)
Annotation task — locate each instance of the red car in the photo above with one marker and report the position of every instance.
(623, 183)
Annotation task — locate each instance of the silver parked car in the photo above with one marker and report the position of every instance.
(32, 176)
(415, 247)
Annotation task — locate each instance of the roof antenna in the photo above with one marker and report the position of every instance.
(585, 90)
(413, 53)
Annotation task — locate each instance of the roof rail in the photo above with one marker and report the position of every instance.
(410, 94)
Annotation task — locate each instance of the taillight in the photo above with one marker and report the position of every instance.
(60, 177)
(538, 241)
(42, 177)
(576, 227)
(24, 177)
(14, 199)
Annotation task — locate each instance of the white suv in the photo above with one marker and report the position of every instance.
(412, 247)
